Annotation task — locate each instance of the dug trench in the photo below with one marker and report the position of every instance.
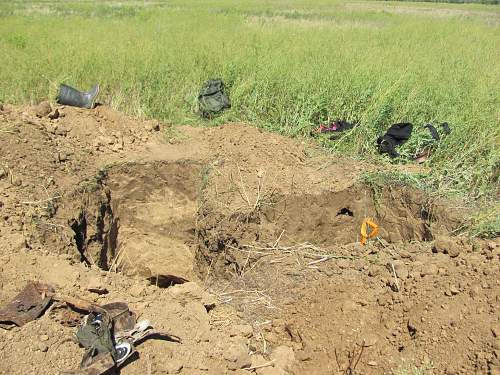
(291, 264)
(156, 220)
(268, 225)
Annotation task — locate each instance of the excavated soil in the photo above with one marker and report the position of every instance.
(243, 243)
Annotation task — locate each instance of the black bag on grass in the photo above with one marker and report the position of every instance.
(212, 99)
(397, 134)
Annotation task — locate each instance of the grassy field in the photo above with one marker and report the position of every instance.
(288, 65)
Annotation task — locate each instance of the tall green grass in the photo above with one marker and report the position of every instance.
(288, 64)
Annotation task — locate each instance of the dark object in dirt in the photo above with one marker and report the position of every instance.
(345, 211)
(71, 96)
(100, 331)
(212, 98)
(123, 318)
(396, 135)
(337, 126)
(166, 281)
(54, 114)
(95, 336)
(28, 305)
(159, 336)
(110, 336)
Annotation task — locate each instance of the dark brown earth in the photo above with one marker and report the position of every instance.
(266, 230)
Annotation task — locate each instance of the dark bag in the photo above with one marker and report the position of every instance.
(212, 99)
(397, 134)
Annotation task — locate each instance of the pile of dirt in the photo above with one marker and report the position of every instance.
(243, 243)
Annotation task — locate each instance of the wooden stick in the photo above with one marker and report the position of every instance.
(259, 366)
(279, 238)
(395, 276)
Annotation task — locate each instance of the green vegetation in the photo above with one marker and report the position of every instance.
(287, 66)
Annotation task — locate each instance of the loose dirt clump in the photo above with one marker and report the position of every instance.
(243, 243)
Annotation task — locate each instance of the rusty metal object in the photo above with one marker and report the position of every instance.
(80, 304)
(28, 305)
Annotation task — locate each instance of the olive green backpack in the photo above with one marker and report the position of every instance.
(212, 99)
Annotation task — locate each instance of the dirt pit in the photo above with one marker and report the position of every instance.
(139, 220)
(243, 243)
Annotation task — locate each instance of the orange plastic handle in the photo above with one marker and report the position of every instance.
(368, 230)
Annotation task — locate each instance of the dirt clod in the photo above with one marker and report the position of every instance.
(447, 246)
(283, 357)
(43, 109)
(237, 355)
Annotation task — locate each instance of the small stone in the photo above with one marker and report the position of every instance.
(44, 338)
(447, 246)
(372, 363)
(454, 290)
(454, 251)
(173, 366)
(412, 327)
(373, 271)
(137, 290)
(43, 109)
(62, 156)
(18, 241)
(496, 330)
(16, 181)
(42, 347)
(429, 270)
(237, 355)
(51, 128)
(244, 330)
